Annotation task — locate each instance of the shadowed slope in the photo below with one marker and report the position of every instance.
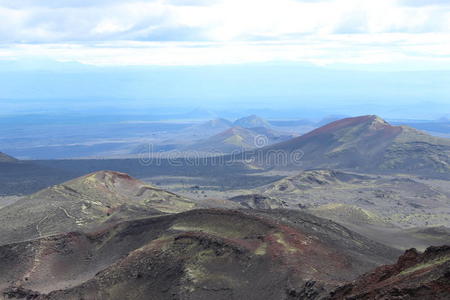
(4, 158)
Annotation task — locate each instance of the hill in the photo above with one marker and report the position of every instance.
(400, 211)
(376, 228)
(233, 139)
(85, 202)
(407, 201)
(252, 121)
(239, 139)
(367, 144)
(200, 254)
(4, 158)
(414, 276)
(207, 129)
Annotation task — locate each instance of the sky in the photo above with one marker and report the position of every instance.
(325, 56)
(403, 34)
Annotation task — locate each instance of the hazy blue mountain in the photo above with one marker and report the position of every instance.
(252, 121)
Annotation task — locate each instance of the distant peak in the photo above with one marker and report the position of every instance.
(368, 119)
(252, 122)
(378, 123)
(371, 120)
(376, 118)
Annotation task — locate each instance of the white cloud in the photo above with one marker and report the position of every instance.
(200, 31)
(419, 3)
(223, 20)
(327, 49)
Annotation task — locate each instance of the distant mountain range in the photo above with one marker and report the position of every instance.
(252, 121)
(124, 136)
(223, 136)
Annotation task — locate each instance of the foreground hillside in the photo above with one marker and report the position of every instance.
(415, 276)
(400, 211)
(84, 202)
(106, 235)
(311, 235)
(369, 144)
(200, 254)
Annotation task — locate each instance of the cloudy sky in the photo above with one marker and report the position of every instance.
(201, 32)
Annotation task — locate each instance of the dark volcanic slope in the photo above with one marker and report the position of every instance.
(83, 202)
(203, 254)
(6, 158)
(414, 276)
(368, 143)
